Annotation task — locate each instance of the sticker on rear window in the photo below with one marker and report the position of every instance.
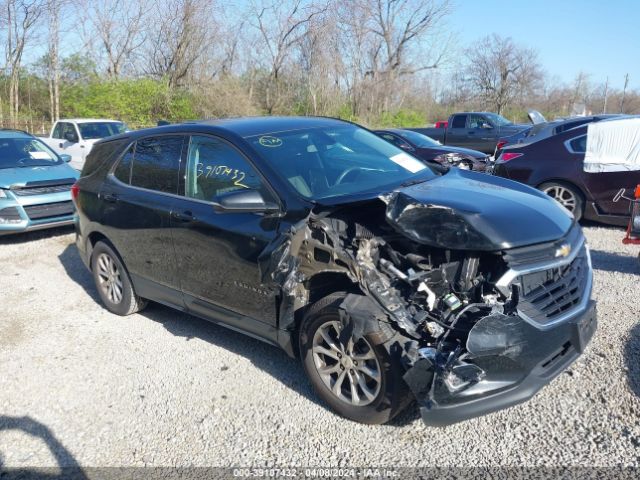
(269, 141)
(408, 162)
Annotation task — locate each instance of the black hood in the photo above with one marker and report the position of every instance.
(464, 210)
(431, 153)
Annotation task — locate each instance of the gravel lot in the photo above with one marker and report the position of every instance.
(79, 386)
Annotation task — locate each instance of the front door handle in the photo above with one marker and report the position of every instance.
(186, 216)
(471, 132)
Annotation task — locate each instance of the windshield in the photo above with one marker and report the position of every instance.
(325, 162)
(26, 152)
(95, 130)
(498, 120)
(419, 140)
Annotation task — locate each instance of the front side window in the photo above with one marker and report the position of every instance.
(476, 121)
(69, 132)
(215, 168)
(156, 162)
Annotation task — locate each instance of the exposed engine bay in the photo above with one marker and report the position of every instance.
(456, 326)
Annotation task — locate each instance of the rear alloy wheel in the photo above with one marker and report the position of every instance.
(113, 282)
(565, 195)
(357, 377)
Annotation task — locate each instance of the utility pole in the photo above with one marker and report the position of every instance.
(624, 92)
(606, 93)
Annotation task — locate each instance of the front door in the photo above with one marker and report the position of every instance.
(217, 253)
(67, 141)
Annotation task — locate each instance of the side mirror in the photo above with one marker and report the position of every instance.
(71, 137)
(244, 201)
(65, 157)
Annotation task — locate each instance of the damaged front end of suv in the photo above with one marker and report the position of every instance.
(483, 308)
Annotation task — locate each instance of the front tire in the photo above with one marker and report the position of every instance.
(112, 281)
(566, 195)
(360, 381)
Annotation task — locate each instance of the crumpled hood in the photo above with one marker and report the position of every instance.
(21, 176)
(471, 211)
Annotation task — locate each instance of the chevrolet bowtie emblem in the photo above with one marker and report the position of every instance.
(563, 251)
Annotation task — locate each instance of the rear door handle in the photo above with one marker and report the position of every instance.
(110, 197)
(471, 132)
(186, 216)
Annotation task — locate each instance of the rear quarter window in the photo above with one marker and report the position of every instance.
(102, 153)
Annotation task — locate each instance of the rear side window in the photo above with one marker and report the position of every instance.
(215, 168)
(459, 121)
(156, 162)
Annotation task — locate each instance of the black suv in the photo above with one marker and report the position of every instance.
(388, 279)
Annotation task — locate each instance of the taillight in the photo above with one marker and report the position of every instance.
(637, 192)
(506, 156)
(501, 144)
(75, 190)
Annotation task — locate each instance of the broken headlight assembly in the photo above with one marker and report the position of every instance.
(456, 159)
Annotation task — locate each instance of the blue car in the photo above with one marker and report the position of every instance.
(35, 184)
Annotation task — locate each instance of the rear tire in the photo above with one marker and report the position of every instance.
(566, 195)
(112, 281)
(359, 381)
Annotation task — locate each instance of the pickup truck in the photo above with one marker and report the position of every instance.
(76, 136)
(476, 130)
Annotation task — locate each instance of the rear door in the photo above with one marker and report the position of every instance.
(603, 186)
(457, 131)
(137, 197)
(217, 252)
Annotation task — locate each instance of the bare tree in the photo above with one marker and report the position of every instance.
(119, 27)
(499, 70)
(282, 25)
(21, 18)
(389, 40)
(53, 68)
(182, 32)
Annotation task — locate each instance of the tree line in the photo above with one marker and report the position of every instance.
(380, 62)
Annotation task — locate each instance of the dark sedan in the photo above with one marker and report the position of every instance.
(555, 166)
(547, 129)
(430, 150)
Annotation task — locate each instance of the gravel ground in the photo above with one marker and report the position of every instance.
(79, 386)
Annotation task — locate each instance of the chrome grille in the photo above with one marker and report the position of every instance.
(29, 191)
(548, 294)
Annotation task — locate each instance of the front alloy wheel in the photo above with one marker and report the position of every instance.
(351, 372)
(356, 377)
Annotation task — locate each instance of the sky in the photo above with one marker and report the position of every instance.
(601, 38)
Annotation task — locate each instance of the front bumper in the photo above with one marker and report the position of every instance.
(18, 215)
(517, 359)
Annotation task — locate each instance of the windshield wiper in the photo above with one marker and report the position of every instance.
(408, 183)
